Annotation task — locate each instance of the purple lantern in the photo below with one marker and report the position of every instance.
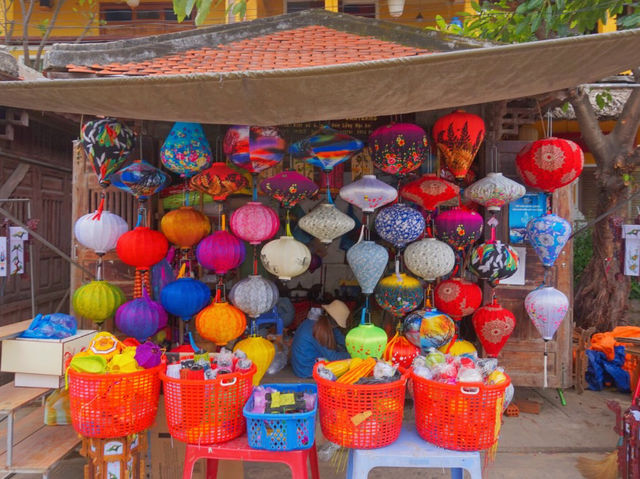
(459, 227)
(398, 148)
(289, 188)
(368, 193)
(220, 252)
(141, 318)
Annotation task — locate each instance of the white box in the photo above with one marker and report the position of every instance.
(27, 380)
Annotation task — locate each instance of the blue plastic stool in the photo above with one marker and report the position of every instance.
(271, 317)
(410, 450)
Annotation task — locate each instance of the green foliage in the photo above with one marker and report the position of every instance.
(635, 290)
(184, 8)
(603, 98)
(582, 253)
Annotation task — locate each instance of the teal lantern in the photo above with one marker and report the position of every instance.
(186, 150)
(399, 294)
(366, 340)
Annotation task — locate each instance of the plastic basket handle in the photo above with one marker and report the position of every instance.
(230, 383)
(469, 390)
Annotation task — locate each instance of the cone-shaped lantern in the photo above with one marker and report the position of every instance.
(107, 143)
(458, 136)
(186, 150)
(368, 261)
(457, 297)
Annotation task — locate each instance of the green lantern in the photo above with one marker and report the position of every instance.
(366, 340)
(97, 300)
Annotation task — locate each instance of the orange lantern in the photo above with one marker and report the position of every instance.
(400, 351)
(458, 136)
(185, 227)
(221, 322)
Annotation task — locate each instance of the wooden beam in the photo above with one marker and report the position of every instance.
(13, 181)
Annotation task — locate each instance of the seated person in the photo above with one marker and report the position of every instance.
(318, 337)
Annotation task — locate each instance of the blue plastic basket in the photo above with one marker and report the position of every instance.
(282, 432)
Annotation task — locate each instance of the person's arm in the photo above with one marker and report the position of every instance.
(339, 339)
(330, 354)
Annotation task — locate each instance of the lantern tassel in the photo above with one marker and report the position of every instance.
(182, 271)
(98, 214)
(223, 222)
(192, 342)
(255, 260)
(545, 363)
(288, 224)
(398, 276)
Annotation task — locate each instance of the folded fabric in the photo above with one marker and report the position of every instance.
(602, 372)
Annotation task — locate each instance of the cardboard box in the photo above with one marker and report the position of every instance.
(26, 380)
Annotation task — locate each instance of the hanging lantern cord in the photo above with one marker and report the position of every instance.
(546, 359)
(142, 214)
(328, 181)
(255, 259)
(254, 177)
(428, 300)
(288, 224)
(545, 278)
(99, 268)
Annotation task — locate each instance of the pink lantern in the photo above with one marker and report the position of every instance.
(459, 227)
(254, 223)
(220, 252)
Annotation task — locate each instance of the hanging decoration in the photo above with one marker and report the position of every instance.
(285, 257)
(493, 262)
(220, 322)
(142, 248)
(107, 143)
(429, 258)
(185, 297)
(368, 261)
(368, 193)
(459, 228)
(220, 252)
(97, 300)
(260, 351)
(254, 148)
(399, 224)
(398, 148)
(141, 318)
(326, 222)
(458, 136)
(254, 295)
(457, 297)
(428, 328)
(100, 231)
(141, 180)
(494, 191)
(399, 294)
(186, 150)
(400, 351)
(161, 275)
(493, 324)
(289, 188)
(550, 163)
(185, 226)
(254, 223)
(548, 234)
(429, 191)
(219, 181)
(366, 340)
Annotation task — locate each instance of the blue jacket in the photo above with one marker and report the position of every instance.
(305, 349)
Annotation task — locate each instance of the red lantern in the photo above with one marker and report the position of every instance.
(458, 136)
(457, 297)
(429, 191)
(550, 163)
(142, 247)
(400, 351)
(493, 324)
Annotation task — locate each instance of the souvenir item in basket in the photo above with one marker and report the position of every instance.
(399, 224)
(185, 226)
(494, 191)
(458, 227)
(326, 222)
(105, 344)
(368, 261)
(141, 179)
(254, 295)
(493, 262)
(366, 341)
(400, 351)
(97, 300)
(285, 257)
(368, 193)
(548, 234)
(51, 326)
(260, 351)
(289, 188)
(220, 322)
(493, 324)
(148, 355)
(458, 137)
(141, 318)
(107, 143)
(254, 223)
(186, 150)
(254, 148)
(100, 231)
(219, 181)
(399, 294)
(326, 148)
(429, 258)
(428, 328)
(429, 191)
(185, 297)
(460, 347)
(398, 148)
(457, 297)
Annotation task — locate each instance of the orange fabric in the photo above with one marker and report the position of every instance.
(605, 342)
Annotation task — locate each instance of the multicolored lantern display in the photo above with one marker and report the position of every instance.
(254, 223)
(142, 248)
(100, 231)
(285, 257)
(254, 295)
(289, 188)
(366, 341)
(107, 143)
(368, 261)
(368, 193)
(493, 262)
(141, 318)
(429, 191)
(400, 351)
(399, 294)
(399, 224)
(457, 297)
(326, 148)
(260, 351)
(220, 252)
(326, 222)
(458, 227)
(429, 258)
(219, 181)
(548, 234)
(493, 324)
(428, 328)
(494, 191)
(220, 322)
(186, 150)
(550, 163)
(398, 148)
(254, 148)
(140, 179)
(185, 297)
(97, 300)
(185, 227)
(458, 136)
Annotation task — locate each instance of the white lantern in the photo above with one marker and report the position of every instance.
(285, 257)
(429, 258)
(494, 191)
(368, 193)
(100, 232)
(254, 295)
(396, 7)
(326, 222)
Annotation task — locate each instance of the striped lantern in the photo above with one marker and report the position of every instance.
(97, 300)
(100, 231)
(254, 295)
(254, 223)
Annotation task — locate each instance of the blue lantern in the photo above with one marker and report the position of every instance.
(548, 234)
(399, 224)
(368, 261)
(185, 297)
(186, 150)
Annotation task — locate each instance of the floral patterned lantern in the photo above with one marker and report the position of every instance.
(458, 136)
(398, 148)
(254, 295)
(254, 148)
(326, 222)
(141, 179)
(493, 262)
(185, 297)
(260, 351)
(550, 163)
(141, 318)
(548, 234)
(399, 224)
(107, 143)
(219, 181)
(494, 191)
(368, 193)
(366, 341)
(457, 297)
(429, 258)
(400, 351)
(186, 150)
(428, 328)
(220, 252)
(429, 191)
(254, 223)
(185, 227)
(493, 324)
(289, 188)
(97, 300)
(368, 261)
(399, 294)
(220, 322)
(458, 227)
(100, 231)
(285, 257)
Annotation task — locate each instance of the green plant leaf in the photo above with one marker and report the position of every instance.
(180, 9)
(203, 11)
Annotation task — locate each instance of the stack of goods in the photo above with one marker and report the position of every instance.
(204, 367)
(359, 371)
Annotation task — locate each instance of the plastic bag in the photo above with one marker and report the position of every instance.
(51, 326)
(56, 408)
(280, 358)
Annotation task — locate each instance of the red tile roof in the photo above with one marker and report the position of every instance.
(302, 47)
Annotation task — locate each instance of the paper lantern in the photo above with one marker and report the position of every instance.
(218, 181)
(186, 150)
(368, 193)
(429, 191)
(399, 294)
(185, 227)
(260, 351)
(494, 191)
(254, 148)
(368, 261)
(142, 247)
(220, 322)
(254, 223)
(457, 297)
(548, 234)
(458, 227)
(458, 136)
(97, 300)
(366, 341)
(107, 143)
(493, 324)
(326, 222)
(546, 307)
(289, 188)
(285, 257)
(493, 262)
(220, 252)
(140, 179)
(254, 295)
(398, 148)
(550, 163)
(185, 297)
(399, 224)
(141, 318)
(429, 258)
(100, 231)
(428, 328)
(326, 148)
(400, 351)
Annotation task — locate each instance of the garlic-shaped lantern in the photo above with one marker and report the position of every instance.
(368, 193)
(368, 261)
(100, 231)
(326, 222)
(254, 295)
(429, 258)
(494, 191)
(285, 257)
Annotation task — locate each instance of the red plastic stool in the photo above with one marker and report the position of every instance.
(238, 450)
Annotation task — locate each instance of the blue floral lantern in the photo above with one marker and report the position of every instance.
(548, 234)
(368, 261)
(399, 224)
(185, 297)
(186, 150)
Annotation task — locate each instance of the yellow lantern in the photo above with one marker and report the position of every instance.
(97, 300)
(221, 323)
(260, 351)
(185, 227)
(460, 347)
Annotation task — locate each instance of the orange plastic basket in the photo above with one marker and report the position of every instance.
(113, 405)
(361, 416)
(207, 411)
(463, 417)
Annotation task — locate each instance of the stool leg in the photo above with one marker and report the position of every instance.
(298, 466)
(190, 459)
(356, 468)
(457, 473)
(475, 469)
(350, 465)
(212, 468)
(313, 460)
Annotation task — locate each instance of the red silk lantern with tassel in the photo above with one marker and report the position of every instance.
(493, 324)
(142, 247)
(457, 297)
(400, 351)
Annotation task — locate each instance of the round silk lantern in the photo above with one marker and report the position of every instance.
(326, 222)
(254, 223)
(494, 191)
(458, 136)
(429, 191)
(458, 227)
(254, 148)
(285, 257)
(493, 262)
(400, 351)
(97, 300)
(289, 188)
(221, 322)
(366, 341)
(457, 297)
(493, 324)
(260, 351)
(218, 181)
(220, 252)
(368, 261)
(368, 193)
(141, 179)
(186, 150)
(142, 247)
(326, 148)
(399, 294)
(429, 258)
(141, 318)
(100, 231)
(185, 227)
(546, 307)
(107, 143)
(428, 328)
(254, 295)
(185, 297)
(550, 163)
(398, 148)
(399, 224)
(548, 234)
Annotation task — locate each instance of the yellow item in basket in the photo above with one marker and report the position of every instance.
(360, 371)
(354, 363)
(496, 377)
(105, 344)
(123, 363)
(338, 367)
(361, 417)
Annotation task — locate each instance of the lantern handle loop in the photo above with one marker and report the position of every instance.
(360, 238)
(193, 344)
(98, 214)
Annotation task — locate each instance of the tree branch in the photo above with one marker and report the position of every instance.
(596, 141)
(47, 33)
(26, 18)
(624, 133)
(633, 159)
